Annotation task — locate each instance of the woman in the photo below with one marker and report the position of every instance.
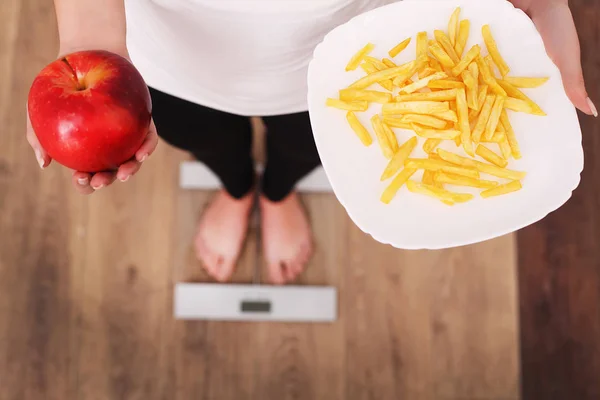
(210, 64)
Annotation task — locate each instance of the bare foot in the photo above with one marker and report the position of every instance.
(221, 234)
(287, 240)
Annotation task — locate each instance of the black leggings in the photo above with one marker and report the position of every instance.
(223, 142)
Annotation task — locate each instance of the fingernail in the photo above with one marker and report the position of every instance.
(143, 158)
(592, 107)
(83, 181)
(97, 187)
(40, 159)
(125, 179)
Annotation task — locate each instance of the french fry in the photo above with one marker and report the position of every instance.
(462, 37)
(479, 166)
(502, 189)
(407, 74)
(445, 84)
(360, 105)
(430, 145)
(428, 71)
(368, 95)
(422, 44)
(490, 156)
(473, 92)
(455, 124)
(441, 165)
(371, 69)
(471, 84)
(359, 129)
(435, 64)
(440, 54)
(415, 107)
(522, 106)
(358, 57)
(399, 47)
(368, 67)
(449, 115)
(428, 177)
(396, 122)
(390, 192)
(517, 94)
(463, 121)
(382, 138)
(443, 40)
(521, 82)
(492, 47)
(488, 78)
(497, 138)
(425, 120)
(445, 95)
(391, 136)
(453, 26)
(457, 141)
(435, 134)
(483, 89)
(466, 60)
(389, 63)
(376, 62)
(491, 66)
(399, 158)
(464, 181)
(483, 118)
(379, 76)
(438, 184)
(437, 193)
(510, 135)
(504, 147)
(499, 172)
(421, 83)
(468, 79)
(492, 123)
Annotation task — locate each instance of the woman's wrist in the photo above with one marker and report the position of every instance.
(91, 25)
(113, 47)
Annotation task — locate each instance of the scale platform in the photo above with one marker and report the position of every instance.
(194, 175)
(252, 302)
(224, 302)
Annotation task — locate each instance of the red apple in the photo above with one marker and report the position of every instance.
(90, 110)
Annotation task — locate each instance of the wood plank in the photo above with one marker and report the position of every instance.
(306, 361)
(40, 217)
(128, 282)
(559, 265)
(425, 325)
(474, 321)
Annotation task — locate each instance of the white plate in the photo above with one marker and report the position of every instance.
(551, 146)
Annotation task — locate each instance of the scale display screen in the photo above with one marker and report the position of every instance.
(253, 306)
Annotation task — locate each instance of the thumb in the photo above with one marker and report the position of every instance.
(557, 28)
(42, 157)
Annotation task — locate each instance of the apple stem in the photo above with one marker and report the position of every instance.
(80, 85)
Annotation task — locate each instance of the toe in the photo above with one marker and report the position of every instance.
(224, 269)
(288, 269)
(276, 273)
(208, 259)
(303, 255)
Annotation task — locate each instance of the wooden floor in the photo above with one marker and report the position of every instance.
(86, 287)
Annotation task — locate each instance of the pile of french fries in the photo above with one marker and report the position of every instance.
(445, 93)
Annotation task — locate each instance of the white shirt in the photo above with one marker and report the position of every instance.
(246, 57)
